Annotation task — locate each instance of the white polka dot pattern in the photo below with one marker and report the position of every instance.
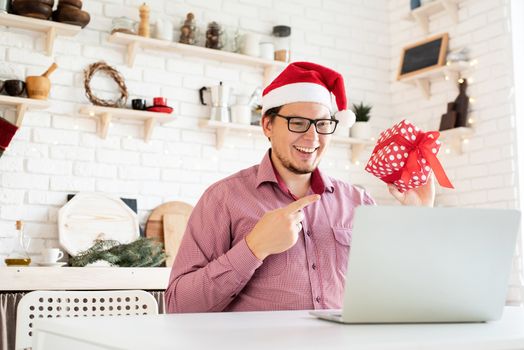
(389, 161)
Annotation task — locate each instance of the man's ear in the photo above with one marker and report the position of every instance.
(267, 127)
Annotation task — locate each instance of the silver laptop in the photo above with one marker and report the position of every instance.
(416, 265)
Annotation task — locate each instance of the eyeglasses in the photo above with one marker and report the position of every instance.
(302, 125)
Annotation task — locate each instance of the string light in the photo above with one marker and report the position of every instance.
(465, 141)
(357, 162)
(447, 151)
(249, 134)
(471, 121)
(471, 100)
(461, 80)
(446, 77)
(473, 62)
(91, 113)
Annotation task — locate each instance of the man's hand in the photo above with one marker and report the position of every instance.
(420, 196)
(277, 230)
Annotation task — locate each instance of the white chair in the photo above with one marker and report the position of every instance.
(51, 304)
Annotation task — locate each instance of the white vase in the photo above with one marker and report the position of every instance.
(361, 130)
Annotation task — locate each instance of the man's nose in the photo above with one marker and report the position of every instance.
(311, 133)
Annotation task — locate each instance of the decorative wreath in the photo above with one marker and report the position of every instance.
(113, 73)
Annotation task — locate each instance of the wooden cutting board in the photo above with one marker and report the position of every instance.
(88, 217)
(167, 224)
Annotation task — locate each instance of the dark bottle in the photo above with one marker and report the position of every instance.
(461, 105)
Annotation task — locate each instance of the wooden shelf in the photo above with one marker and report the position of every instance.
(134, 42)
(422, 14)
(22, 104)
(451, 71)
(222, 129)
(456, 138)
(83, 278)
(106, 114)
(50, 28)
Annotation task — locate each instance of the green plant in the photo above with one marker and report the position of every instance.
(362, 112)
(140, 253)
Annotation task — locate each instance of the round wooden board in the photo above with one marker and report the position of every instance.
(155, 223)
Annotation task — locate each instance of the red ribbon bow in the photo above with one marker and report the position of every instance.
(422, 147)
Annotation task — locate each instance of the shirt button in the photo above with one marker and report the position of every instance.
(314, 267)
(308, 233)
(317, 299)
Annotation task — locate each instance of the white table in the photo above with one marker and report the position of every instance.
(271, 330)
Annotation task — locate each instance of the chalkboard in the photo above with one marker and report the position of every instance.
(422, 56)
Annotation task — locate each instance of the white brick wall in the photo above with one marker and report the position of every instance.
(58, 152)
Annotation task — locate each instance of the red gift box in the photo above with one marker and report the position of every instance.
(405, 156)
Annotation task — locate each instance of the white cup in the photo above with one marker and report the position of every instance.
(249, 44)
(241, 114)
(51, 255)
(164, 29)
(267, 51)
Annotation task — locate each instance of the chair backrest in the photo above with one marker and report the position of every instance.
(51, 304)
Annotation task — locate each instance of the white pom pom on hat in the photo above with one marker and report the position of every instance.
(308, 82)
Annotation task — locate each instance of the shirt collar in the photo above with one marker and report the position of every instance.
(267, 173)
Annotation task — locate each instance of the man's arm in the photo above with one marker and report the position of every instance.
(208, 273)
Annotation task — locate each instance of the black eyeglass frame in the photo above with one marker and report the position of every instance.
(311, 121)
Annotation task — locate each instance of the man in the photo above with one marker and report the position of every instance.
(277, 236)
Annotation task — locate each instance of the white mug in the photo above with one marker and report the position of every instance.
(267, 51)
(164, 29)
(241, 114)
(249, 44)
(51, 255)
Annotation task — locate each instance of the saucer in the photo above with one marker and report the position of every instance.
(52, 264)
(161, 109)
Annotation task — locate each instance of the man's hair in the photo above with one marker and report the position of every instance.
(272, 112)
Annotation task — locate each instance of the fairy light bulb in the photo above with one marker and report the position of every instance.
(461, 80)
(471, 100)
(91, 113)
(447, 151)
(465, 141)
(471, 121)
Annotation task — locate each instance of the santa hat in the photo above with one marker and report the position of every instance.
(308, 82)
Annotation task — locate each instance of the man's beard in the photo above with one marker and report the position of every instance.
(289, 166)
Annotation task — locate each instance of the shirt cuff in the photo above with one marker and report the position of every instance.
(243, 260)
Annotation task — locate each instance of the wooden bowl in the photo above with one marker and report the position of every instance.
(74, 3)
(32, 9)
(38, 87)
(71, 15)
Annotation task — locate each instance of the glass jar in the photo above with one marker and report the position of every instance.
(282, 43)
(4, 6)
(123, 25)
(19, 255)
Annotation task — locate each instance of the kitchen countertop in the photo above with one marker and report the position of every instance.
(83, 278)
